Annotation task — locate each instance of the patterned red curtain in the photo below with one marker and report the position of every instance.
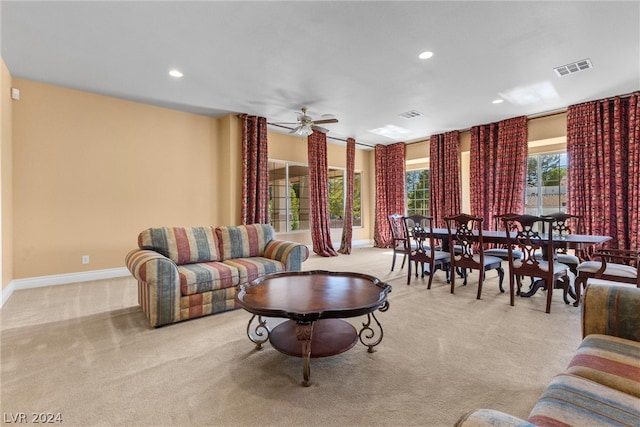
(603, 150)
(444, 164)
(498, 168)
(390, 188)
(347, 230)
(318, 194)
(255, 171)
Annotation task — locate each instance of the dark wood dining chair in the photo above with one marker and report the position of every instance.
(527, 233)
(399, 239)
(419, 228)
(465, 233)
(501, 251)
(618, 265)
(562, 224)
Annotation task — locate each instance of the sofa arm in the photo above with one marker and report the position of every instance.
(158, 285)
(611, 309)
(291, 254)
(491, 417)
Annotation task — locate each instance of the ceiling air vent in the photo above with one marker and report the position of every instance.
(574, 67)
(410, 114)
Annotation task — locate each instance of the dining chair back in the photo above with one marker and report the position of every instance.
(527, 233)
(465, 233)
(399, 240)
(618, 265)
(423, 251)
(501, 251)
(562, 224)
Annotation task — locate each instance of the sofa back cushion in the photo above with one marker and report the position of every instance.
(183, 245)
(244, 241)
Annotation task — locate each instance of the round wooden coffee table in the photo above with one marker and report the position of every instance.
(314, 302)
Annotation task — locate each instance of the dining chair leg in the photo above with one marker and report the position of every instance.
(566, 287)
(500, 278)
(577, 287)
(409, 274)
(431, 268)
(453, 277)
(480, 281)
(550, 287)
(511, 288)
(404, 258)
(393, 262)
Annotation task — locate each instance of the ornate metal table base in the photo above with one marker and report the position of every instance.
(321, 338)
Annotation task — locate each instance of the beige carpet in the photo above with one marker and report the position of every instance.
(86, 351)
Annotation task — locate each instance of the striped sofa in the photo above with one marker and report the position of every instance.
(187, 272)
(601, 386)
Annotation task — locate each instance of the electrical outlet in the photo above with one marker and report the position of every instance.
(85, 259)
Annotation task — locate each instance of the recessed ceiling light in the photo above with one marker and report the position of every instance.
(497, 101)
(175, 73)
(425, 55)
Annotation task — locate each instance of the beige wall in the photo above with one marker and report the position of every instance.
(6, 164)
(91, 172)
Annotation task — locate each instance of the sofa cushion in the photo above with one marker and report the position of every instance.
(244, 241)
(206, 276)
(570, 400)
(611, 361)
(183, 245)
(251, 268)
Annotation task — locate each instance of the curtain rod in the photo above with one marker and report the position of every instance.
(329, 137)
(550, 113)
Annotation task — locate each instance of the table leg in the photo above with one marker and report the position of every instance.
(368, 334)
(535, 286)
(304, 334)
(260, 333)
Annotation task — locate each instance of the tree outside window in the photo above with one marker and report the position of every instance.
(417, 192)
(337, 202)
(289, 197)
(546, 184)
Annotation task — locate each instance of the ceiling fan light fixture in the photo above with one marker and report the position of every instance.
(303, 130)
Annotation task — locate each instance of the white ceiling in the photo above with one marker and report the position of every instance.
(357, 60)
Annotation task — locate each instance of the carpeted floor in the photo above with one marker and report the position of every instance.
(86, 351)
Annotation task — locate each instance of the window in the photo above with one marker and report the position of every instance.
(546, 184)
(337, 202)
(417, 192)
(289, 197)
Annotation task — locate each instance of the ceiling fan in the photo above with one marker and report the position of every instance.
(306, 125)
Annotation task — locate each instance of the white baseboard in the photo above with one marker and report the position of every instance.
(354, 244)
(62, 279)
(86, 276)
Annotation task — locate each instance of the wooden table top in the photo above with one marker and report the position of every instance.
(570, 240)
(311, 295)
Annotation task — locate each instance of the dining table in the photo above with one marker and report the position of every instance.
(577, 242)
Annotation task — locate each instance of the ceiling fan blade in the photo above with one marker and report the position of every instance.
(319, 129)
(324, 121)
(285, 123)
(296, 129)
